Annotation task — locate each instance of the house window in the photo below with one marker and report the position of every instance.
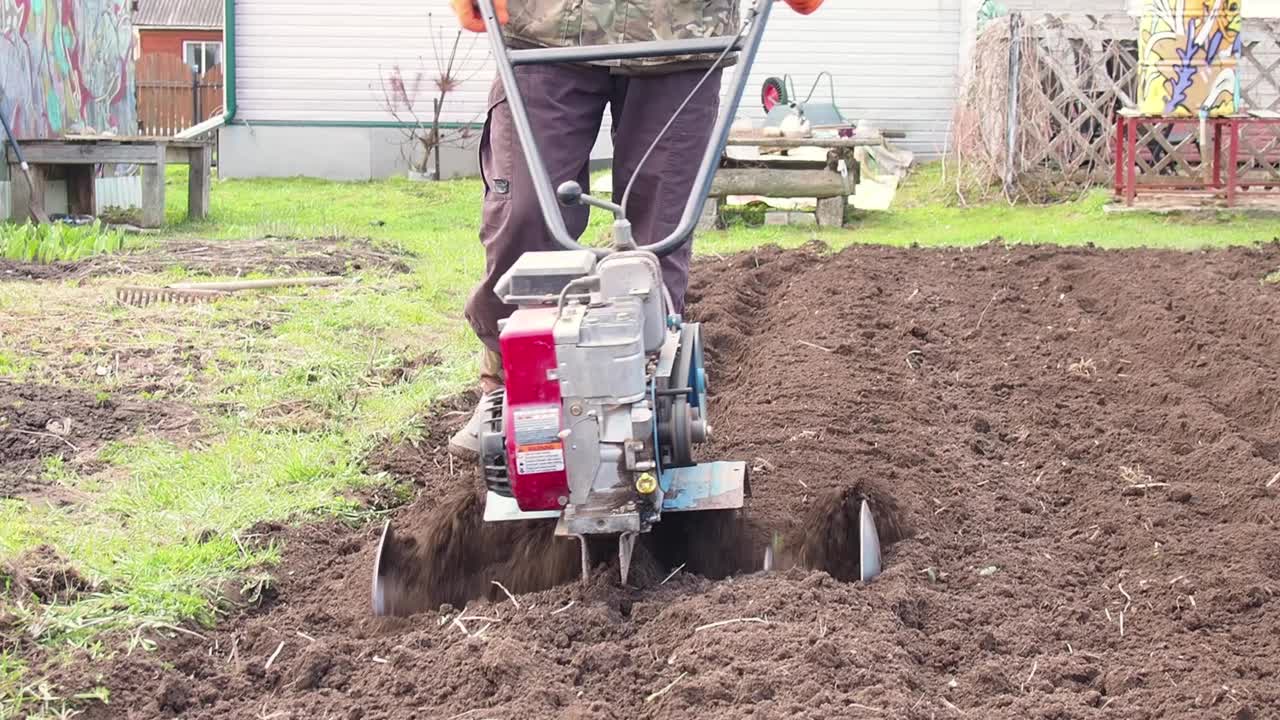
(202, 55)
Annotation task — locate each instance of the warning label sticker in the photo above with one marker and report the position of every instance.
(539, 458)
(536, 425)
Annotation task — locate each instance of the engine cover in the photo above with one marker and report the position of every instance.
(532, 411)
(604, 400)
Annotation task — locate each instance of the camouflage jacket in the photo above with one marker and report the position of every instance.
(572, 23)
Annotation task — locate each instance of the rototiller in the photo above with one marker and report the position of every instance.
(606, 393)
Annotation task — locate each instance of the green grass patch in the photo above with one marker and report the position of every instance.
(439, 220)
(161, 540)
(926, 212)
(57, 242)
(1273, 278)
(13, 366)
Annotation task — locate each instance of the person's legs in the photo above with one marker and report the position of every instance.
(641, 105)
(565, 106)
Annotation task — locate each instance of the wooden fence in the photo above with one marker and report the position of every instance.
(172, 98)
(1073, 75)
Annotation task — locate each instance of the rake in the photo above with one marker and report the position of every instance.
(191, 293)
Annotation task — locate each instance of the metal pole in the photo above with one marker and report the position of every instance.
(435, 134)
(1011, 124)
(195, 97)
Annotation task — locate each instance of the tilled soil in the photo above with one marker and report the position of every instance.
(39, 421)
(1084, 445)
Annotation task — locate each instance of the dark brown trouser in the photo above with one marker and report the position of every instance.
(565, 106)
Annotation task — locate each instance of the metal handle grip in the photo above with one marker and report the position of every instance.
(546, 194)
(626, 51)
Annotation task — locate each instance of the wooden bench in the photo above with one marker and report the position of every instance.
(775, 174)
(78, 156)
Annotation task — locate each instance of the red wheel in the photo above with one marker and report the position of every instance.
(772, 94)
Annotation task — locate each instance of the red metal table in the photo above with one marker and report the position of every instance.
(1221, 178)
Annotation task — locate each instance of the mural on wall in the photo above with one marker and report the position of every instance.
(67, 66)
(1187, 54)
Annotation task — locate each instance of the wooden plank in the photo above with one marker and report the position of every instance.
(779, 183)
(774, 162)
(53, 152)
(181, 153)
(120, 140)
(772, 142)
(153, 189)
(198, 171)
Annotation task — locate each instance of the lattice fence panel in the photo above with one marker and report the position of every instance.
(1083, 70)
(1087, 67)
(1260, 153)
(1260, 65)
(1169, 151)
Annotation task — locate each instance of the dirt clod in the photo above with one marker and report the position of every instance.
(46, 575)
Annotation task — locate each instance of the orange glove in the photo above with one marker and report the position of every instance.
(804, 7)
(468, 13)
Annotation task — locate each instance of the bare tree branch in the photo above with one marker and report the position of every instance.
(424, 136)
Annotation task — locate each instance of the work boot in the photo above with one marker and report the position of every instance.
(465, 444)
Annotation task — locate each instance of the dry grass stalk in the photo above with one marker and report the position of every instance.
(1135, 476)
(672, 574)
(1034, 666)
(504, 589)
(980, 123)
(274, 655)
(666, 689)
(722, 623)
(1082, 368)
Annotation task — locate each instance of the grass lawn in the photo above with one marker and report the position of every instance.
(287, 390)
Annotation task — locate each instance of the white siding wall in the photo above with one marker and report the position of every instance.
(322, 60)
(894, 63)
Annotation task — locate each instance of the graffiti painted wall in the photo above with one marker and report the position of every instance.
(67, 66)
(1187, 52)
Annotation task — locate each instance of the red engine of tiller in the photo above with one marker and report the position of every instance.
(531, 412)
